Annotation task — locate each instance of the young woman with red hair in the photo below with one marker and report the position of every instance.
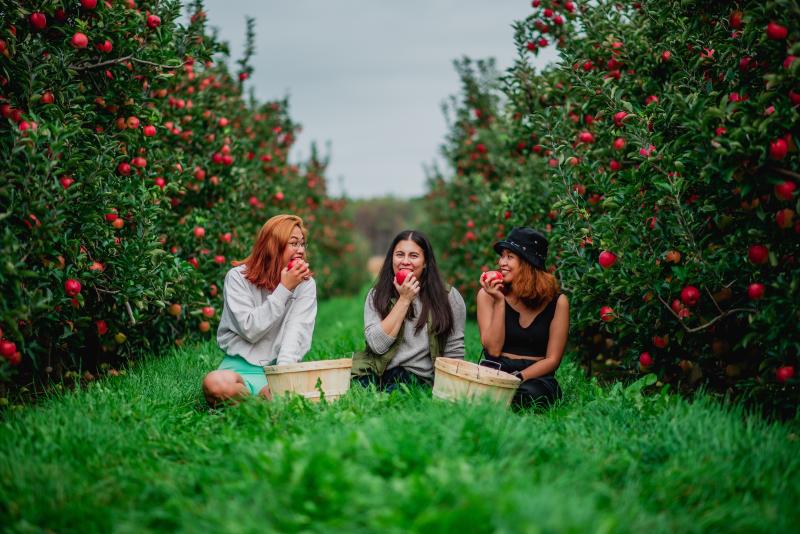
(523, 319)
(268, 314)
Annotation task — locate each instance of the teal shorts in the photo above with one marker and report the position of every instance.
(253, 375)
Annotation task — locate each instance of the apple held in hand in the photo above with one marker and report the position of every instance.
(401, 276)
(489, 276)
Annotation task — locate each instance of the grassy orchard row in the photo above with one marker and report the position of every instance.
(134, 175)
(660, 153)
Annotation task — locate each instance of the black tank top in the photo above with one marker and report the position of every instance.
(531, 341)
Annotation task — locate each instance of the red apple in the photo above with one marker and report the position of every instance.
(782, 374)
(401, 276)
(89, 4)
(160, 182)
(204, 326)
(778, 149)
(219, 259)
(776, 31)
(149, 130)
(199, 232)
(66, 181)
(607, 259)
(784, 218)
(194, 263)
(153, 21)
(755, 291)
(660, 341)
(665, 55)
(279, 196)
(47, 97)
(7, 348)
(102, 327)
(619, 143)
(607, 314)
(758, 254)
(785, 190)
(690, 295)
(586, 137)
(492, 275)
(72, 287)
(79, 40)
(174, 309)
(208, 311)
(38, 20)
(226, 237)
(105, 46)
(735, 20)
(619, 116)
(124, 168)
(645, 360)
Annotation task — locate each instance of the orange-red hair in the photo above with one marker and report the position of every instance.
(265, 262)
(534, 286)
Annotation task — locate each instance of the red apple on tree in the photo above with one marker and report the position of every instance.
(607, 314)
(72, 287)
(153, 21)
(607, 259)
(199, 232)
(755, 291)
(208, 311)
(645, 360)
(776, 32)
(784, 373)
(690, 295)
(785, 190)
(758, 254)
(7, 348)
(79, 40)
(778, 149)
(38, 20)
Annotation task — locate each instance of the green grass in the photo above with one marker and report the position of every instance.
(143, 453)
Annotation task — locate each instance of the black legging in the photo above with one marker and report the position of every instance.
(542, 391)
(391, 379)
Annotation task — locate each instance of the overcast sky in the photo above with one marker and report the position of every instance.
(368, 76)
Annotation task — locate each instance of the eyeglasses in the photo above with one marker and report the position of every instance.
(297, 245)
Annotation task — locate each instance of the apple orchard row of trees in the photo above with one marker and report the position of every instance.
(660, 155)
(133, 173)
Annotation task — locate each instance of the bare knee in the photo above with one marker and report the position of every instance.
(223, 384)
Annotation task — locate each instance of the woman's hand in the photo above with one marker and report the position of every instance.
(409, 289)
(493, 287)
(291, 278)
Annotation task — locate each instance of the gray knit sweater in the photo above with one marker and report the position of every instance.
(260, 325)
(414, 350)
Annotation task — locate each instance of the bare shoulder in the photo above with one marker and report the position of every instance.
(562, 303)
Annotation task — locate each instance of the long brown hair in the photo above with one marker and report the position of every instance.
(534, 286)
(265, 262)
(433, 293)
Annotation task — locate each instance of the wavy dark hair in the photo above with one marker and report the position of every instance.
(432, 294)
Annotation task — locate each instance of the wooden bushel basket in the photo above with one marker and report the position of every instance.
(301, 378)
(456, 379)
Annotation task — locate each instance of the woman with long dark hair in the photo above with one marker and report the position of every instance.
(523, 318)
(270, 306)
(411, 317)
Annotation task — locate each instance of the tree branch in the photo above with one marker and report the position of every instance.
(709, 323)
(122, 60)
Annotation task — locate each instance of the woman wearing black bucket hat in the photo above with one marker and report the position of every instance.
(523, 319)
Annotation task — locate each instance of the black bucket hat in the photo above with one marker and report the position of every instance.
(526, 243)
